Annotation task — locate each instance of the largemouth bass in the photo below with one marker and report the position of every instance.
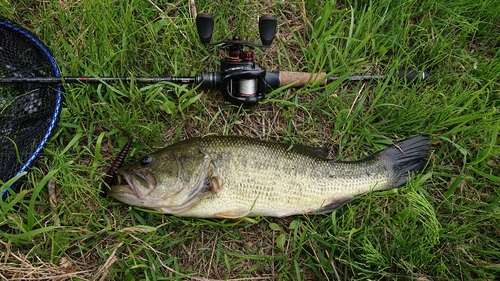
(233, 177)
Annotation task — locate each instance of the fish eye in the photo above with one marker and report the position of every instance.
(146, 161)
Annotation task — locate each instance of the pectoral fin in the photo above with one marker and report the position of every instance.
(180, 208)
(233, 214)
(215, 185)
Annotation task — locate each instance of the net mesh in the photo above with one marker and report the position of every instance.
(27, 110)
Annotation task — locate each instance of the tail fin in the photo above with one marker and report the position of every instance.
(406, 156)
(401, 159)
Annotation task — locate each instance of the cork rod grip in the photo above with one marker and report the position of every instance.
(299, 79)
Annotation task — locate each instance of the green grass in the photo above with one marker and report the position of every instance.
(443, 225)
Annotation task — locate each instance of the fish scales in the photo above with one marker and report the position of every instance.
(270, 180)
(234, 177)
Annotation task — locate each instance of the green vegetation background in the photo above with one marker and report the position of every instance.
(443, 225)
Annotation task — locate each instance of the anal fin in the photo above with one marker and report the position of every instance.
(332, 206)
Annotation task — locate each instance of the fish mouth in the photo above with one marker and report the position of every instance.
(121, 185)
(133, 183)
(124, 188)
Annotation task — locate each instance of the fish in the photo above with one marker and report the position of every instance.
(231, 177)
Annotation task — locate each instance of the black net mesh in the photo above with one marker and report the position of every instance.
(26, 109)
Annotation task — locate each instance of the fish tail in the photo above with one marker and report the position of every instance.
(401, 159)
(405, 157)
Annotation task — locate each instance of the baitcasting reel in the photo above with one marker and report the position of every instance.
(240, 80)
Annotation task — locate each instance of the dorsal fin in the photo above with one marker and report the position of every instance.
(318, 151)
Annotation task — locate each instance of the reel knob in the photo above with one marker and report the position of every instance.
(267, 29)
(205, 27)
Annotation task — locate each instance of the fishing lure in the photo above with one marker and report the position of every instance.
(111, 174)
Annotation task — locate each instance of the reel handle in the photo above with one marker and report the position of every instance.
(205, 27)
(267, 29)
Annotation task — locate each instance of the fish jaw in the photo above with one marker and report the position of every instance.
(141, 183)
(126, 194)
(124, 188)
(137, 188)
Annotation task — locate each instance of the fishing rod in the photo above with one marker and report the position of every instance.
(241, 80)
(30, 107)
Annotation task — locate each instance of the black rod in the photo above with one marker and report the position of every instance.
(407, 75)
(53, 80)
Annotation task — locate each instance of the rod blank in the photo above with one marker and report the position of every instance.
(211, 80)
(55, 80)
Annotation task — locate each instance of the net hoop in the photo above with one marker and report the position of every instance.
(58, 100)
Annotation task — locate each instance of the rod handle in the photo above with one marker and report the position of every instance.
(299, 79)
(409, 75)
